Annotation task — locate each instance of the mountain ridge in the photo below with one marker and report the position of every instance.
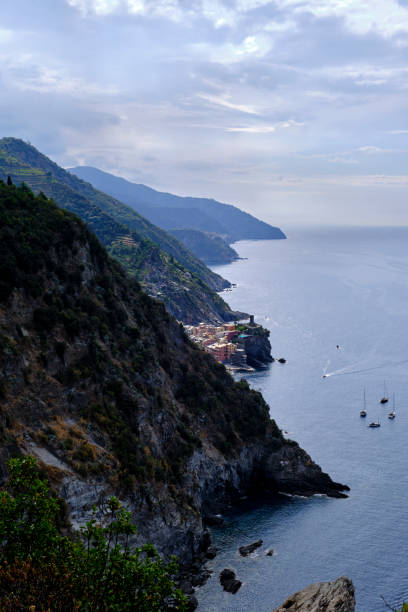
(188, 292)
(224, 219)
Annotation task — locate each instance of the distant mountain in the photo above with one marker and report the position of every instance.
(212, 249)
(169, 211)
(163, 265)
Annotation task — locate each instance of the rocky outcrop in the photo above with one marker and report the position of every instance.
(244, 551)
(336, 596)
(254, 339)
(229, 581)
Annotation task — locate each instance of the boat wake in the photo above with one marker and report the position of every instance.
(349, 372)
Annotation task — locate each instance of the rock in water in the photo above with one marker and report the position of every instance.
(247, 550)
(229, 581)
(335, 596)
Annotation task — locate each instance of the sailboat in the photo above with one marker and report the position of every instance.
(391, 415)
(363, 413)
(384, 398)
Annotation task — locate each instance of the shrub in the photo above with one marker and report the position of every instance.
(96, 571)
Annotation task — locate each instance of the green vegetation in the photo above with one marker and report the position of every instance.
(154, 257)
(98, 373)
(96, 569)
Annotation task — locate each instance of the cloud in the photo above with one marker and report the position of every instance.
(6, 36)
(25, 74)
(170, 9)
(265, 129)
(385, 17)
(250, 48)
(223, 101)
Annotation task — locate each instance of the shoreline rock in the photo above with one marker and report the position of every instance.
(335, 596)
(244, 551)
(229, 581)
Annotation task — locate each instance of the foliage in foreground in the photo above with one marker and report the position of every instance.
(96, 571)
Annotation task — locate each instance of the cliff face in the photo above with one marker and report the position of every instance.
(101, 384)
(336, 596)
(255, 341)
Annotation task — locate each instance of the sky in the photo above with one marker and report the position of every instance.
(293, 110)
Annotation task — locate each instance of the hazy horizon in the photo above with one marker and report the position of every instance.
(293, 110)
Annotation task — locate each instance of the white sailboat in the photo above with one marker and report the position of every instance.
(384, 398)
(391, 415)
(363, 413)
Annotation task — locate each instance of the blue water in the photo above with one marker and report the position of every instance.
(317, 289)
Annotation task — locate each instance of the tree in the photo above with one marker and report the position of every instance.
(94, 570)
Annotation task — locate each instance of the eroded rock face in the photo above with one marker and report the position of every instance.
(335, 596)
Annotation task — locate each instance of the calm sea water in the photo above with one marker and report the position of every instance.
(317, 289)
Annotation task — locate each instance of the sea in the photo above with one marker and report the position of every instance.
(319, 289)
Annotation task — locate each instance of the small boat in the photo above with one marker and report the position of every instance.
(391, 415)
(384, 398)
(363, 413)
(375, 424)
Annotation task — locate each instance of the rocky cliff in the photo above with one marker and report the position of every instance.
(336, 596)
(255, 341)
(101, 384)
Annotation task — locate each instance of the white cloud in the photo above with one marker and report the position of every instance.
(252, 47)
(385, 17)
(6, 36)
(265, 129)
(225, 102)
(99, 7)
(372, 150)
(169, 9)
(26, 74)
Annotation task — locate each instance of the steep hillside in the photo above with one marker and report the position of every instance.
(169, 211)
(102, 384)
(212, 249)
(171, 272)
